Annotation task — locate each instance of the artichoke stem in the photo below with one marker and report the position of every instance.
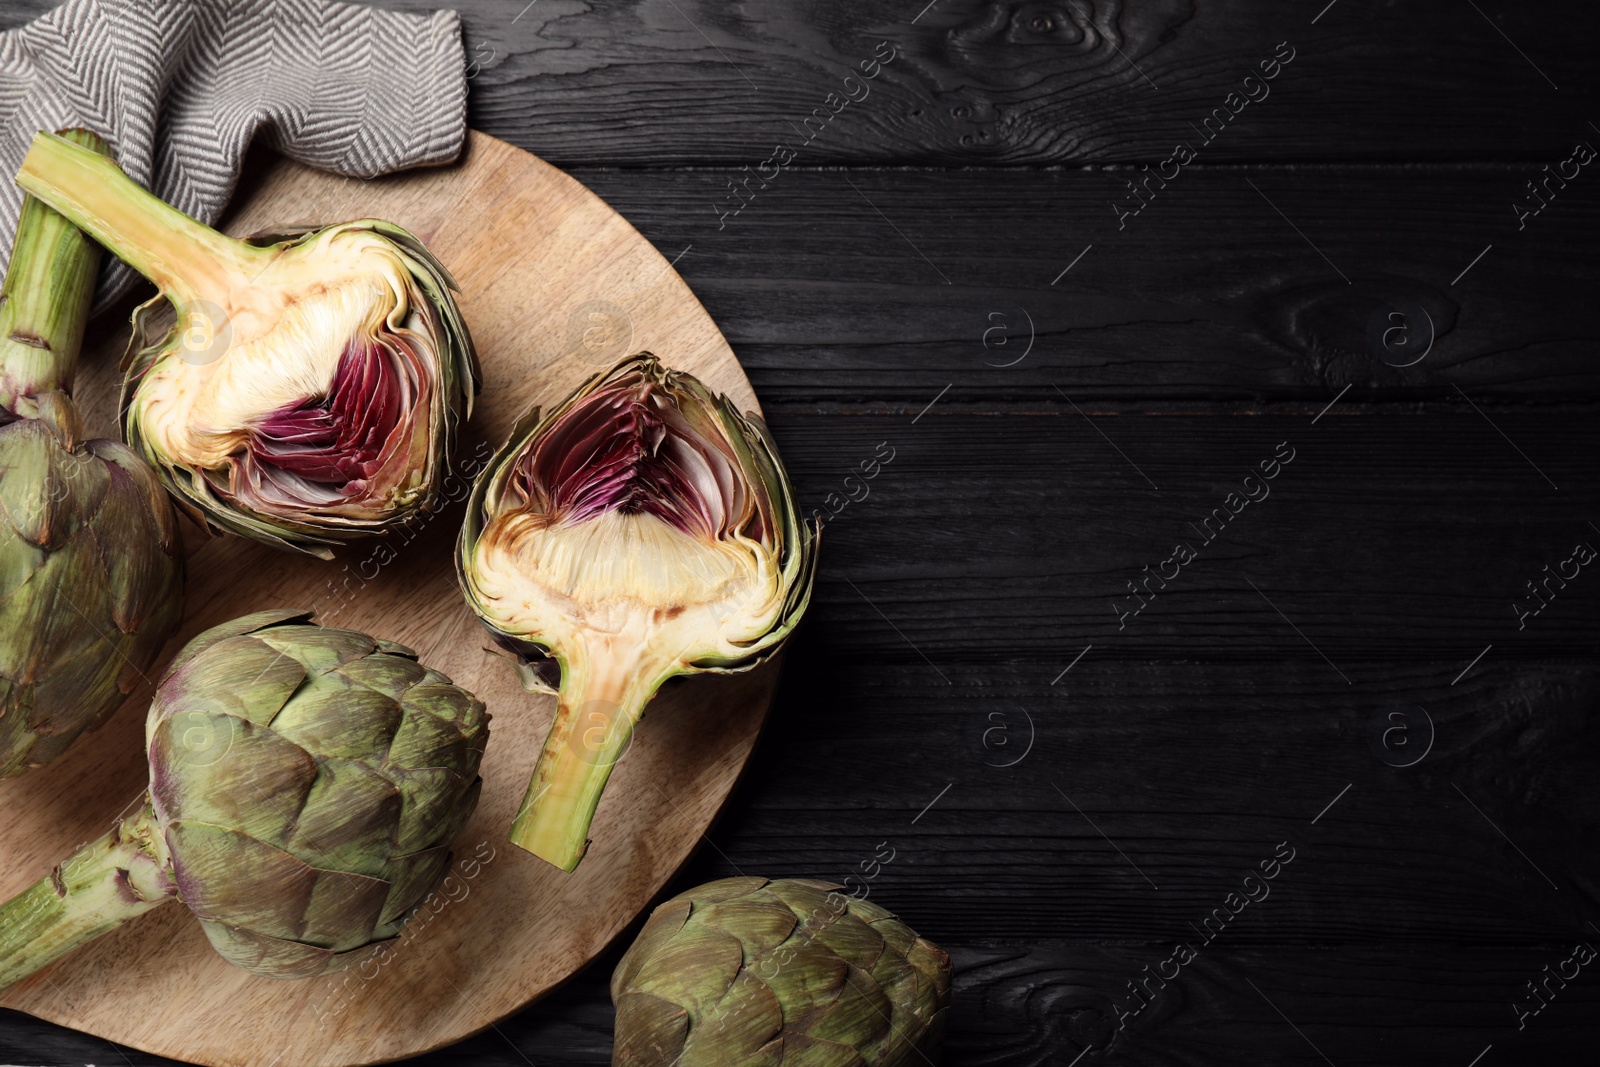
(594, 722)
(49, 283)
(185, 258)
(103, 885)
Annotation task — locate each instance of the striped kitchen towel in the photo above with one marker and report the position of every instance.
(180, 87)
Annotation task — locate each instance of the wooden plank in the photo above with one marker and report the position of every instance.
(1046, 1000)
(1409, 535)
(652, 83)
(837, 296)
(1151, 790)
(646, 82)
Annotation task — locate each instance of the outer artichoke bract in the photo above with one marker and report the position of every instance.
(91, 579)
(310, 389)
(757, 973)
(643, 529)
(305, 785)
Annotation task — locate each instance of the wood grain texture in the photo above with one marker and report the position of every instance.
(653, 83)
(836, 297)
(1193, 772)
(1009, 82)
(510, 927)
(1014, 538)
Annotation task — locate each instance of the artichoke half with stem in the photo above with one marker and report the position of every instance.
(310, 391)
(767, 973)
(305, 785)
(644, 529)
(91, 573)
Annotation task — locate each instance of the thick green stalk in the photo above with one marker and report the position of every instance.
(104, 884)
(48, 287)
(185, 258)
(600, 703)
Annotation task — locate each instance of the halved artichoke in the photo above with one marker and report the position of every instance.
(643, 529)
(311, 387)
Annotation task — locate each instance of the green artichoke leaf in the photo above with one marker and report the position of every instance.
(411, 878)
(244, 624)
(663, 924)
(20, 560)
(390, 674)
(759, 926)
(229, 877)
(347, 821)
(343, 910)
(333, 717)
(424, 740)
(694, 969)
(44, 618)
(428, 795)
(728, 888)
(129, 541)
(203, 685)
(745, 1026)
(446, 702)
(270, 957)
(319, 648)
(813, 901)
(860, 1019)
(228, 772)
(144, 479)
(801, 1050)
(897, 934)
(394, 648)
(90, 671)
(859, 943)
(645, 1026)
(47, 493)
(807, 979)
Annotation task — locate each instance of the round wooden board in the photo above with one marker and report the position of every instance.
(555, 286)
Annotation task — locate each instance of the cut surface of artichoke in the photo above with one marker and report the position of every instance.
(642, 530)
(631, 585)
(309, 391)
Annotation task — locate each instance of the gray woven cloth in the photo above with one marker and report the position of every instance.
(180, 88)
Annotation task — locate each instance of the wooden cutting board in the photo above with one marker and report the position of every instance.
(555, 286)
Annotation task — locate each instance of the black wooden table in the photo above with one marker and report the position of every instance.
(1203, 401)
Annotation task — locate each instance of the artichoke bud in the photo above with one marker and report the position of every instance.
(643, 529)
(756, 972)
(310, 388)
(91, 577)
(305, 786)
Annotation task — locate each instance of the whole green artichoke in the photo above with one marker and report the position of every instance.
(305, 785)
(753, 972)
(91, 579)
